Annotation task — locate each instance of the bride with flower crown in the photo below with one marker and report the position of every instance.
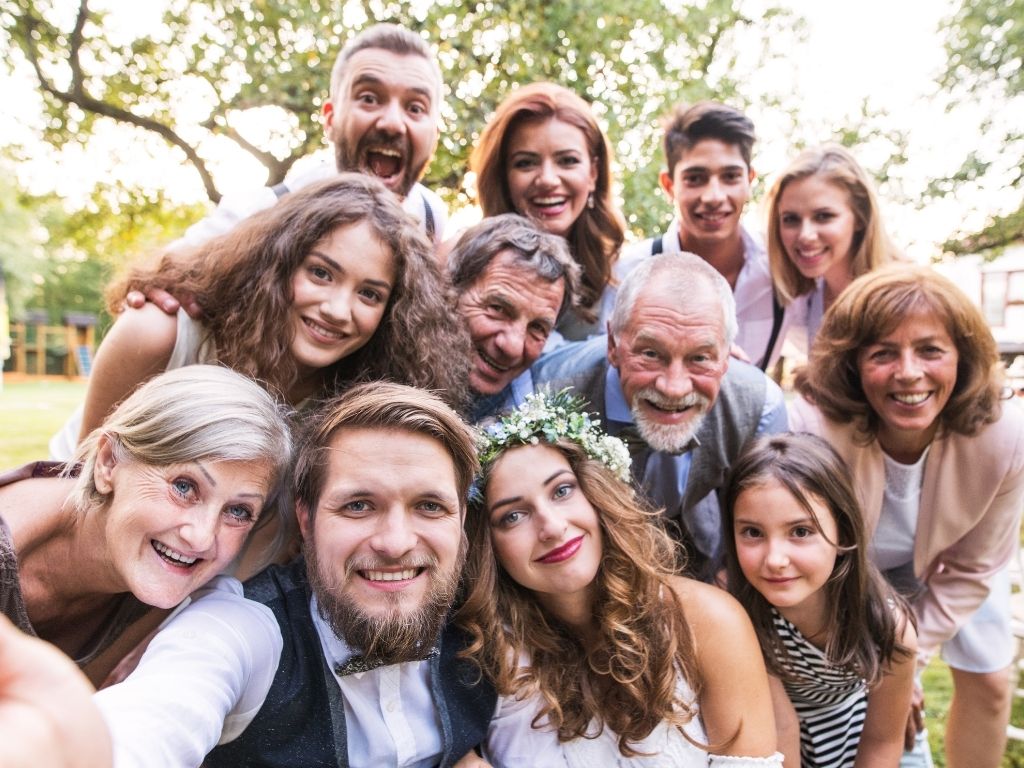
(601, 653)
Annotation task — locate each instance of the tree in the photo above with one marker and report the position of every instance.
(632, 58)
(985, 46)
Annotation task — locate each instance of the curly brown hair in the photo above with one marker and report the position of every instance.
(243, 281)
(871, 307)
(598, 233)
(628, 680)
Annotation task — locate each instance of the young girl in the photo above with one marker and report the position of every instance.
(334, 284)
(840, 641)
(824, 230)
(602, 655)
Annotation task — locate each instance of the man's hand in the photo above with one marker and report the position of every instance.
(168, 303)
(47, 715)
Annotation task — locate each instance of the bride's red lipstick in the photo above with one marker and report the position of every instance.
(563, 552)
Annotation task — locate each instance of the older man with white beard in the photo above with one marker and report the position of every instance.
(663, 381)
(345, 657)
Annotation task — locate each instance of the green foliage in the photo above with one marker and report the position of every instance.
(59, 261)
(985, 49)
(632, 58)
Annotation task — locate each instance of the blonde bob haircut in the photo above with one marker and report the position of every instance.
(872, 307)
(203, 413)
(597, 235)
(870, 247)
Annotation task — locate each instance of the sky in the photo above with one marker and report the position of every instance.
(888, 53)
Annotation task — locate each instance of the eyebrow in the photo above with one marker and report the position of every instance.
(213, 482)
(706, 169)
(335, 265)
(514, 499)
(805, 521)
(371, 79)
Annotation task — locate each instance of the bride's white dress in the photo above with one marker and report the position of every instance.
(512, 742)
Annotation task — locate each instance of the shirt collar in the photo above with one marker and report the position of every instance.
(615, 406)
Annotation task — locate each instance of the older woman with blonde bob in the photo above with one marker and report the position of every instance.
(543, 155)
(824, 230)
(602, 655)
(904, 380)
(159, 500)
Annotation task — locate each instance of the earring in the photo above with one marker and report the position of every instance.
(590, 200)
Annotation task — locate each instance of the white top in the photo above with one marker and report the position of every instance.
(753, 291)
(235, 207)
(511, 745)
(802, 321)
(208, 672)
(892, 544)
(189, 349)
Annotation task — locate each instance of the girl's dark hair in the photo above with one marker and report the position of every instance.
(243, 281)
(865, 616)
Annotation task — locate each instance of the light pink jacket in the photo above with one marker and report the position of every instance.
(968, 526)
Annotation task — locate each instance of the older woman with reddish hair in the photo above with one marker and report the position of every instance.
(904, 380)
(543, 155)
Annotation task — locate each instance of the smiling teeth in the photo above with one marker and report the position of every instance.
(408, 573)
(548, 200)
(490, 361)
(386, 151)
(911, 398)
(170, 554)
(322, 330)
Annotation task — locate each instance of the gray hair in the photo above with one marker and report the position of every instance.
(544, 254)
(195, 413)
(688, 275)
(386, 37)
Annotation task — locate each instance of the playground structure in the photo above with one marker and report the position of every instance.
(41, 350)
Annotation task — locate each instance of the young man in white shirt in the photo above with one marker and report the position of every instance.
(345, 657)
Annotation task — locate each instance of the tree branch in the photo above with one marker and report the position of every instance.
(78, 95)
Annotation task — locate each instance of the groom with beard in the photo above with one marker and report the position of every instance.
(664, 382)
(345, 657)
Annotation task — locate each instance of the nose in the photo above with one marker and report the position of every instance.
(551, 525)
(200, 531)
(548, 174)
(713, 191)
(391, 118)
(674, 381)
(807, 230)
(909, 366)
(778, 556)
(511, 341)
(337, 305)
(394, 536)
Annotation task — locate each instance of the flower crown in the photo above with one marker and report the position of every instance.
(549, 417)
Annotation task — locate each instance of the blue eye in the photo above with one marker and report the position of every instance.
(240, 513)
(183, 486)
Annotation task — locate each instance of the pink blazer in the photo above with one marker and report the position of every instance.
(968, 526)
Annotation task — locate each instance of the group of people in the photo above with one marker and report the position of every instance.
(346, 492)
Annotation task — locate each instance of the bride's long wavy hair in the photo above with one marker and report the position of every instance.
(628, 680)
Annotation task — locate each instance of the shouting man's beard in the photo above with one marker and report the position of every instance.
(669, 438)
(393, 635)
(377, 154)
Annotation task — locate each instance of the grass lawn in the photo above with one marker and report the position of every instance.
(31, 411)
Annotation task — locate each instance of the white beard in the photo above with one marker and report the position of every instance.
(669, 438)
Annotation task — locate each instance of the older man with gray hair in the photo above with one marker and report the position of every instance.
(663, 380)
(512, 281)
